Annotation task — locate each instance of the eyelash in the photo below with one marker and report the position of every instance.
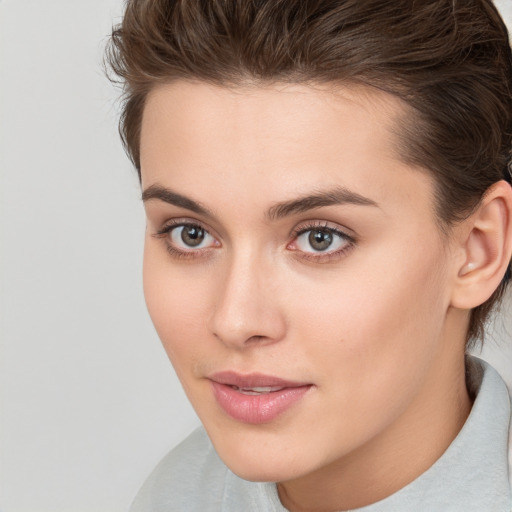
(318, 257)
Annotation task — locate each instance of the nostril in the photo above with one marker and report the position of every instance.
(254, 338)
(250, 339)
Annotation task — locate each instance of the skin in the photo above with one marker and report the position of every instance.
(370, 324)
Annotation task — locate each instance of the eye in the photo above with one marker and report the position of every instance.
(186, 238)
(190, 236)
(320, 240)
(317, 241)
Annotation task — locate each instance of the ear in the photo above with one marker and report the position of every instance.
(486, 248)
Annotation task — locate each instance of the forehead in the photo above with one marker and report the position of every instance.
(291, 113)
(286, 138)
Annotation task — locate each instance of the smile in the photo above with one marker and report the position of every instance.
(255, 398)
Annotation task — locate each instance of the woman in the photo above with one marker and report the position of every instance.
(326, 185)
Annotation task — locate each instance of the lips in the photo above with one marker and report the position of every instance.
(255, 398)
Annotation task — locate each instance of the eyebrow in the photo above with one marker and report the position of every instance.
(168, 196)
(336, 196)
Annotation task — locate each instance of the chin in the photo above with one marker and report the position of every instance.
(253, 461)
(268, 470)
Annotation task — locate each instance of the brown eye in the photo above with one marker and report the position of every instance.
(192, 235)
(320, 239)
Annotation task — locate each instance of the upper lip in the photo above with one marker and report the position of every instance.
(252, 380)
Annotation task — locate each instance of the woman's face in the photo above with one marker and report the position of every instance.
(295, 271)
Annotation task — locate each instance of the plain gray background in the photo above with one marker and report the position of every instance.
(89, 402)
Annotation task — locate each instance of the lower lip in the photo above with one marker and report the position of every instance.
(256, 409)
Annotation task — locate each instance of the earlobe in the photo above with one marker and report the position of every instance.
(487, 246)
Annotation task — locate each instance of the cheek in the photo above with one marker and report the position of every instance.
(176, 305)
(370, 336)
(377, 316)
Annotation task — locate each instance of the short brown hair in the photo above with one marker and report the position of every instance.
(449, 60)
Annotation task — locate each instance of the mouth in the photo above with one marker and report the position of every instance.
(261, 390)
(256, 398)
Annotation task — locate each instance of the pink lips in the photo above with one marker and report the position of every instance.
(255, 398)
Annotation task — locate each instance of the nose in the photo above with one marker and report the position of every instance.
(246, 309)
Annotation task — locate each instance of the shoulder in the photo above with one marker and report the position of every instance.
(176, 480)
(192, 477)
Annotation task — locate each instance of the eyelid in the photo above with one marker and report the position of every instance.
(170, 224)
(322, 224)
